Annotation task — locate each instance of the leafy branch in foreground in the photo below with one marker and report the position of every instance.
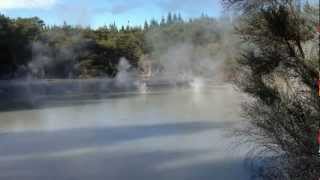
(284, 114)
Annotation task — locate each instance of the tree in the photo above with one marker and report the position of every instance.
(180, 20)
(154, 23)
(284, 114)
(6, 57)
(163, 21)
(15, 46)
(175, 18)
(29, 47)
(113, 28)
(169, 18)
(146, 26)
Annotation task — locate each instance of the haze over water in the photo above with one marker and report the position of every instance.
(181, 133)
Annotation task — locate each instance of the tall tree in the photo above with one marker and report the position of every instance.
(146, 26)
(175, 18)
(154, 23)
(180, 20)
(169, 18)
(163, 21)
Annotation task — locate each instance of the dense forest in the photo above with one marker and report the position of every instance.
(30, 48)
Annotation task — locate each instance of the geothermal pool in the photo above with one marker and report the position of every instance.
(167, 134)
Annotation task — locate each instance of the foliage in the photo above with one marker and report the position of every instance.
(15, 36)
(30, 48)
(285, 111)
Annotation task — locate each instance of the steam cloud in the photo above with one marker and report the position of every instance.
(179, 63)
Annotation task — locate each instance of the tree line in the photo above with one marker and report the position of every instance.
(30, 48)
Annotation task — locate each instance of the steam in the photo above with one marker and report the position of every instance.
(125, 77)
(197, 84)
(183, 62)
(142, 87)
(172, 63)
(128, 77)
(58, 60)
(41, 59)
(194, 64)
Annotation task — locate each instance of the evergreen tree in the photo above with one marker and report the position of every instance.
(146, 26)
(180, 20)
(175, 18)
(169, 18)
(163, 21)
(123, 28)
(154, 23)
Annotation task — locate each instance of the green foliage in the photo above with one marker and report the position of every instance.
(284, 113)
(27, 46)
(16, 36)
(202, 32)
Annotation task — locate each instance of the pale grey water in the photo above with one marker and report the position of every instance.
(173, 134)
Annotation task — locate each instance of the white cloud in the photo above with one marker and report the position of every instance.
(26, 4)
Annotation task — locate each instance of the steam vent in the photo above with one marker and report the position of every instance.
(145, 68)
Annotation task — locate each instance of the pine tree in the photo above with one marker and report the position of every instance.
(146, 26)
(163, 21)
(122, 28)
(175, 18)
(154, 23)
(180, 20)
(169, 18)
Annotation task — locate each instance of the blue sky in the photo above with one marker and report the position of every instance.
(99, 12)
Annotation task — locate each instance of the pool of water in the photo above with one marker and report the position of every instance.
(171, 134)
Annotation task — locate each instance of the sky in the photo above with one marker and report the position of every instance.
(96, 13)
